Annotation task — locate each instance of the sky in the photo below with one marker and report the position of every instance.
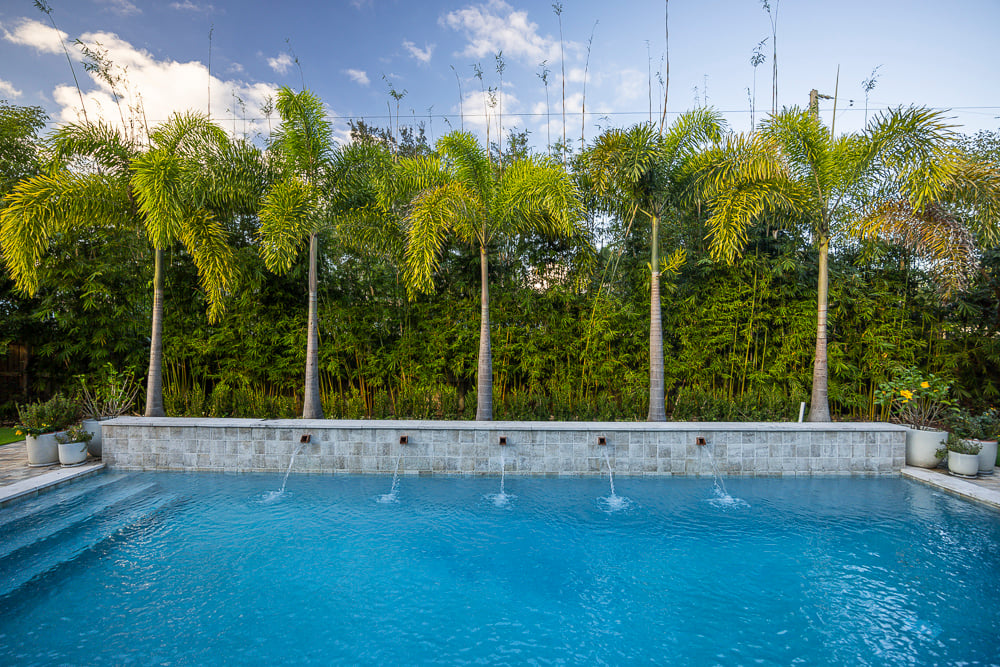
(229, 57)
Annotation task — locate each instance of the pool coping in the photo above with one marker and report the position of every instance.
(963, 488)
(550, 425)
(48, 481)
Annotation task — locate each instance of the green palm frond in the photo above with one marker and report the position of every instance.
(287, 218)
(160, 181)
(238, 177)
(807, 146)
(362, 222)
(535, 194)
(974, 191)
(739, 180)
(190, 134)
(622, 159)
(434, 213)
(409, 178)
(933, 232)
(467, 161)
(205, 239)
(99, 141)
(912, 145)
(354, 171)
(642, 166)
(303, 139)
(691, 133)
(964, 214)
(45, 205)
(372, 232)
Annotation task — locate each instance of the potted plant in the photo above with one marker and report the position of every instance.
(963, 456)
(73, 445)
(982, 428)
(917, 401)
(39, 422)
(110, 394)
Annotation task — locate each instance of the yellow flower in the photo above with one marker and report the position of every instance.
(924, 385)
(905, 401)
(906, 393)
(18, 433)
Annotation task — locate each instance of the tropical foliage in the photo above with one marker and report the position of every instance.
(656, 275)
(462, 193)
(901, 180)
(640, 171)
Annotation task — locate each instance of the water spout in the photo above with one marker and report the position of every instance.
(271, 496)
(614, 502)
(722, 497)
(611, 473)
(291, 461)
(391, 496)
(503, 498)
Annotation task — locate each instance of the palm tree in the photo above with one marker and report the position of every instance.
(641, 170)
(293, 210)
(170, 191)
(460, 193)
(900, 179)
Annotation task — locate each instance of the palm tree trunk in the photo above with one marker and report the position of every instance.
(657, 409)
(154, 379)
(312, 405)
(819, 407)
(484, 373)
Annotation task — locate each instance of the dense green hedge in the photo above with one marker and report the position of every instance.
(738, 338)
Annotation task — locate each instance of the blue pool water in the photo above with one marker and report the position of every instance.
(192, 569)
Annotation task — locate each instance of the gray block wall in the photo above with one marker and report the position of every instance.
(534, 448)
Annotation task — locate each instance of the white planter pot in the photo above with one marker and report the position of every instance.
(93, 426)
(43, 450)
(966, 465)
(987, 456)
(72, 453)
(922, 447)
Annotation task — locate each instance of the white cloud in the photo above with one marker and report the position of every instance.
(121, 7)
(423, 55)
(189, 6)
(632, 85)
(281, 63)
(357, 76)
(7, 89)
(160, 88)
(495, 27)
(476, 106)
(36, 34)
(577, 74)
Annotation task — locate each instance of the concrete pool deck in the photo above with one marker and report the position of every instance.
(982, 489)
(18, 481)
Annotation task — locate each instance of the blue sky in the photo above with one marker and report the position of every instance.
(941, 55)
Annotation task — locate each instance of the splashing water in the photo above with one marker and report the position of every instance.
(390, 497)
(721, 495)
(614, 502)
(503, 498)
(272, 496)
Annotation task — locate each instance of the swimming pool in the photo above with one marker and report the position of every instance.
(181, 569)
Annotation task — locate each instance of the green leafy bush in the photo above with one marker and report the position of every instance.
(48, 417)
(914, 398)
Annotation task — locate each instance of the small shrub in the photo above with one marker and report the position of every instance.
(75, 433)
(53, 415)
